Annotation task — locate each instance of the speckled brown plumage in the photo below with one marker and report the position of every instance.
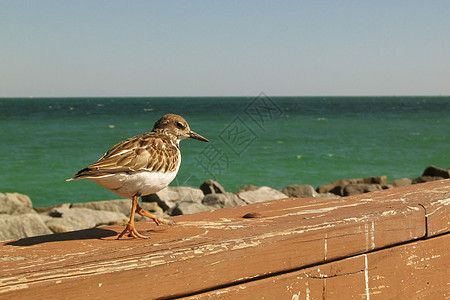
(152, 151)
(142, 165)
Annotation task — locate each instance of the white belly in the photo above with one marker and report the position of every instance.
(139, 183)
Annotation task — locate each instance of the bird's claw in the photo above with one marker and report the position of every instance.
(133, 232)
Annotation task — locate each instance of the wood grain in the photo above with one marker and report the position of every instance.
(418, 270)
(220, 250)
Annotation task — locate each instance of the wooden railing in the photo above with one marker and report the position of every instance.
(391, 244)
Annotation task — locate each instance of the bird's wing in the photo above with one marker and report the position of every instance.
(146, 152)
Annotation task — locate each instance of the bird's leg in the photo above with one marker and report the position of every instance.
(156, 219)
(130, 226)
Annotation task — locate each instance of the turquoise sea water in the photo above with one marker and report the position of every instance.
(273, 141)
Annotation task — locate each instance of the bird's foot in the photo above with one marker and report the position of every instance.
(133, 232)
(156, 219)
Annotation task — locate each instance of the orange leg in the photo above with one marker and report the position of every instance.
(130, 226)
(158, 220)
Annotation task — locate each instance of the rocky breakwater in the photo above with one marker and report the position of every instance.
(347, 187)
(18, 219)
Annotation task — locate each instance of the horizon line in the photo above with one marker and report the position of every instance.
(234, 96)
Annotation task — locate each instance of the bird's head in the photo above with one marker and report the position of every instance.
(177, 126)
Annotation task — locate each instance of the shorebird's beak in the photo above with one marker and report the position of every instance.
(197, 136)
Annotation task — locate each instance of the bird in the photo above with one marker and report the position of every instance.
(142, 165)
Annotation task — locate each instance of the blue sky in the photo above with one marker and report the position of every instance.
(224, 48)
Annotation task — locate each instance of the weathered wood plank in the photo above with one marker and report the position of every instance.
(434, 198)
(417, 270)
(209, 250)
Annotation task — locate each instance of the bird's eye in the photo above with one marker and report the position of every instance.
(180, 125)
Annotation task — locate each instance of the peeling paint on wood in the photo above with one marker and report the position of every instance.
(410, 271)
(358, 246)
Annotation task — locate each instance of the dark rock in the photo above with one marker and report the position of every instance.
(21, 226)
(306, 191)
(168, 198)
(55, 214)
(261, 194)
(222, 200)
(401, 182)
(433, 171)
(15, 204)
(381, 180)
(360, 188)
(300, 191)
(211, 187)
(422, 179)
(336, 187)
(337, 190)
